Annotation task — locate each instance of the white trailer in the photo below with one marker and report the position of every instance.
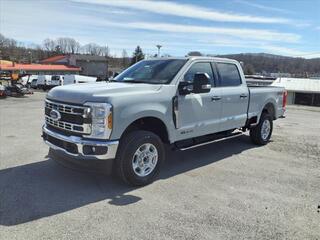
(73, 79)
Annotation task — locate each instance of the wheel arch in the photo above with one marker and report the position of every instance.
(269, 108)
(152, 124)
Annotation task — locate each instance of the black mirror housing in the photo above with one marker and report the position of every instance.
(185, 88)
(201, 83)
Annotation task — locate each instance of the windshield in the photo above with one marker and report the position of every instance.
(152, 71)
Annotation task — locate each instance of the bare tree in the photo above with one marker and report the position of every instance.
(106, 51)
(2, 40)
(68, 45)
(93, 49)
(49, 44)
(72, 45)
(124, 59)
(63, 44)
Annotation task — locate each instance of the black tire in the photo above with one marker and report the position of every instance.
(129, 144)
(256, 134)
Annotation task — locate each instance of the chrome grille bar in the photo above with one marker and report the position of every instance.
(66, 108)
(86, 128)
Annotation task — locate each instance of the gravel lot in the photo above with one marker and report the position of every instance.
(226, 190)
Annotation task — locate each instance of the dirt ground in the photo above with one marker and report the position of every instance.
(226, 190)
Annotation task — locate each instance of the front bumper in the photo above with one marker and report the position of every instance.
(78, 147)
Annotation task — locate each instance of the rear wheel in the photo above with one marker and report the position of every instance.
(261, 133)
(139, 157)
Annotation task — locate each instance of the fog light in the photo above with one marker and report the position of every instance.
(94, 150)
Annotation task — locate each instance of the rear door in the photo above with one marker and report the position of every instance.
(235, 96)
(199, 114)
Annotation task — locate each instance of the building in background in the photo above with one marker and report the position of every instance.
(301, 91)
(39, 69)
(13, 71)
(96, 66)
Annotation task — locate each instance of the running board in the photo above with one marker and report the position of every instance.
(212, 141)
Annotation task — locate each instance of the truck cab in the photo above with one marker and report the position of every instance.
(182, 102)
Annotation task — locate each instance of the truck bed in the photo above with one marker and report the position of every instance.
(260, 96)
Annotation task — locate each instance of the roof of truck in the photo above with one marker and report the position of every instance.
(196, 58)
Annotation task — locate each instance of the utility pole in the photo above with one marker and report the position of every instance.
(158, 46)
(30, 54)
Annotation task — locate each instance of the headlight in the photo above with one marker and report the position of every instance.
(101, 115)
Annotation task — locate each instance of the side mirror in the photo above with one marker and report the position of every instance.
(185, 88)
(201, 83)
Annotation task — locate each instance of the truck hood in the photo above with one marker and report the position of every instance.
(98, 92)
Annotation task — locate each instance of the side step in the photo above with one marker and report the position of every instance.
(233, 135)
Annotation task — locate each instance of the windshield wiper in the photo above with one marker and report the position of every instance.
(133, 81)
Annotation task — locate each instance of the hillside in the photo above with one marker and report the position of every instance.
(269, 63)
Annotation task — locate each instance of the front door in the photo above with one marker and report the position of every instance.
(199, 114)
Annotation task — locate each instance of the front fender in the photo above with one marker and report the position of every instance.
(129, 114)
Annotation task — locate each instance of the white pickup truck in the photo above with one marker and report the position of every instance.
(184, 102)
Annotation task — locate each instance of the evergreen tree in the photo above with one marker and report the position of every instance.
(57, 50)
(137, 55)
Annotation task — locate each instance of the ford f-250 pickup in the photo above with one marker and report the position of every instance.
(184, 102)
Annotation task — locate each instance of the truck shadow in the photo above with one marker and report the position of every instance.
(45, 188)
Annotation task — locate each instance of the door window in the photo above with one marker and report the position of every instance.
(200, 67)
(229, 74)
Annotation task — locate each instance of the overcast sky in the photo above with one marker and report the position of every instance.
(286, 27)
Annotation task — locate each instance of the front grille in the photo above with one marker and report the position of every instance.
(72, 118)
(63, 132)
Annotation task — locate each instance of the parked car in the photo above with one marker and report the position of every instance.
(184, 102)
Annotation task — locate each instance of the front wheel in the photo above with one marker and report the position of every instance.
(139, 157)
(261, 133)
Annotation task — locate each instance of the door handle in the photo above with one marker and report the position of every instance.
(215, 98)
(243, 96)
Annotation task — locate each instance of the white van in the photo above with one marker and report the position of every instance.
(42, 81)
(72, 79)
(49, 81)
(55, 80)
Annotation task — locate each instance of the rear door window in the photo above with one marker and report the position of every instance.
(229, 75)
